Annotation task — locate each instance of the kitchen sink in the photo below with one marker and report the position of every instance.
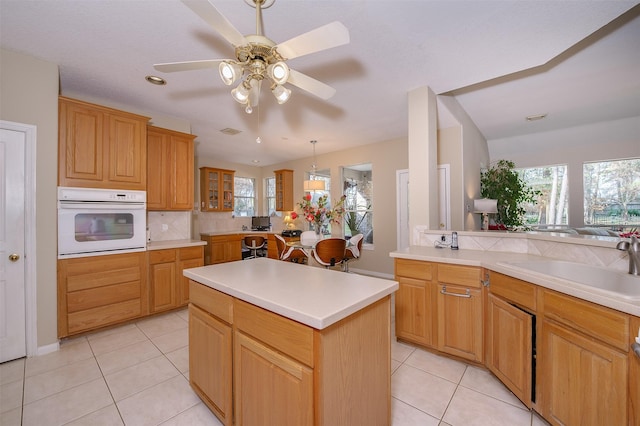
(622, 284)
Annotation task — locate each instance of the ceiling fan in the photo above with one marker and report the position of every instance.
(258, 58)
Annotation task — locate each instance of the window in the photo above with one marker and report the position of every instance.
(612, 193)
(324, 175)
(270, 195)
(551, 207)
(244, 193)
(358, 189)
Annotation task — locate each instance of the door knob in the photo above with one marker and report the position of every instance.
(14, 257)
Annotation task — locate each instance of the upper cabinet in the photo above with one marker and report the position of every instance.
(284, 190)
(101, 147)
(216, 189)
(170, 161)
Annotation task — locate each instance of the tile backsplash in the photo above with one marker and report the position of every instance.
(167, 225)
(597, 251)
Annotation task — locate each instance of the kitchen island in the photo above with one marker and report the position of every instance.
(275, 342)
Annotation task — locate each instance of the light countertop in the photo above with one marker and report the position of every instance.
(313, 296)
(248, 232)
(493, 260)
(161, 245)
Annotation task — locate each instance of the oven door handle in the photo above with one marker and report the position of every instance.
(100, 206)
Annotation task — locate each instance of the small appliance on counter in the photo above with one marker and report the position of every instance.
(291, 233)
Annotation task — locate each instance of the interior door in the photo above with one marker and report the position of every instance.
(12, 244)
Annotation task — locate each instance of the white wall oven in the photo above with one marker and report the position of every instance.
(100, 221)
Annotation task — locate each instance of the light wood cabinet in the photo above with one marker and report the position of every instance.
(285, 372)
(510, 335)
(97, 291)
(284, 190)
(584, 362)
(440, 306)
(188, 257)
(100, 147)
(415, 302)
(170, 160)
(168, 288)
(216, 189)
(634, 375)
(210, 350)
(222, 248)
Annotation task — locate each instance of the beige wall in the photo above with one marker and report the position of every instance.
(385, 157)
(450, 152)
(29, 95)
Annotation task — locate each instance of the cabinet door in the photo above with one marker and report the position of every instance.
(183, 291)
(162, 280)
(634, 375)
(218, 251)
(127, 138)
(270, 388)
(157, 166)
(460, 321)
(284, 190)
(233, 248)
(210, 362)
(81, 144)
(583, 382)
(228, 182)
(415, 310)
(181, 173)
(509, 347)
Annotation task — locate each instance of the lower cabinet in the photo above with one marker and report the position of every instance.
(210, 361)
(222, 248)
(281, 372)
(584, 362)
(168, 288)
(460, 330)
(97, 291)
(440, 306)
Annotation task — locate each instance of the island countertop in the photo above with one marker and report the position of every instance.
(313, 296)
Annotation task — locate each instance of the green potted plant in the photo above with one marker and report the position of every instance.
(501, 182)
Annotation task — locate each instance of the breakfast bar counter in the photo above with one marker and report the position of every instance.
(274, 342)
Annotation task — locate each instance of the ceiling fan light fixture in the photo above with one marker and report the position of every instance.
(229, 72)
(278, 72)
(281, 93)
(240, 93)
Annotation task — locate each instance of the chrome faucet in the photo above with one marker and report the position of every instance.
(633, 249)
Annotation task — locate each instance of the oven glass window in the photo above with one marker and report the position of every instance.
(103, 226)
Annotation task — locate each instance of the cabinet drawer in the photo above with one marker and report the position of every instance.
(514, 290)
(212, 301)
(162, 256)
(456, 274)
(283, 334)
(191, 253)
(414, 269)
(609, 326)
(103, 315)
(92, 298)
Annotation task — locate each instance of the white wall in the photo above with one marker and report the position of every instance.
(29, 94)
(573, 146)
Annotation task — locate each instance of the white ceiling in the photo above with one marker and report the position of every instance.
(577, 61)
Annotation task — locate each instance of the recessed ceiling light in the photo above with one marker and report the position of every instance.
(255, 161)
(535, 117)
(156, 80)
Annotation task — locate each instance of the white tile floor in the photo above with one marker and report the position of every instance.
(137, 374)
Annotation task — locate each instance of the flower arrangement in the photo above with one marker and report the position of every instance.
(319, 213)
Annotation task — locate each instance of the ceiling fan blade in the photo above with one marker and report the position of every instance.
(188, 66)
(322, 38)
(311, 85)
(208, 12)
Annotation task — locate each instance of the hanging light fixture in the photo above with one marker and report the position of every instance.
(313, 184)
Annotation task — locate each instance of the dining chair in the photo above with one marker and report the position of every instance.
(330, 251)
(289, 254)
(353, 251)
(254, 243)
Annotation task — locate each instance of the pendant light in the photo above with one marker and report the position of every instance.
(313, 184)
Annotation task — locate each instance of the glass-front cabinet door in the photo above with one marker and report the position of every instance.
(216, 189)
